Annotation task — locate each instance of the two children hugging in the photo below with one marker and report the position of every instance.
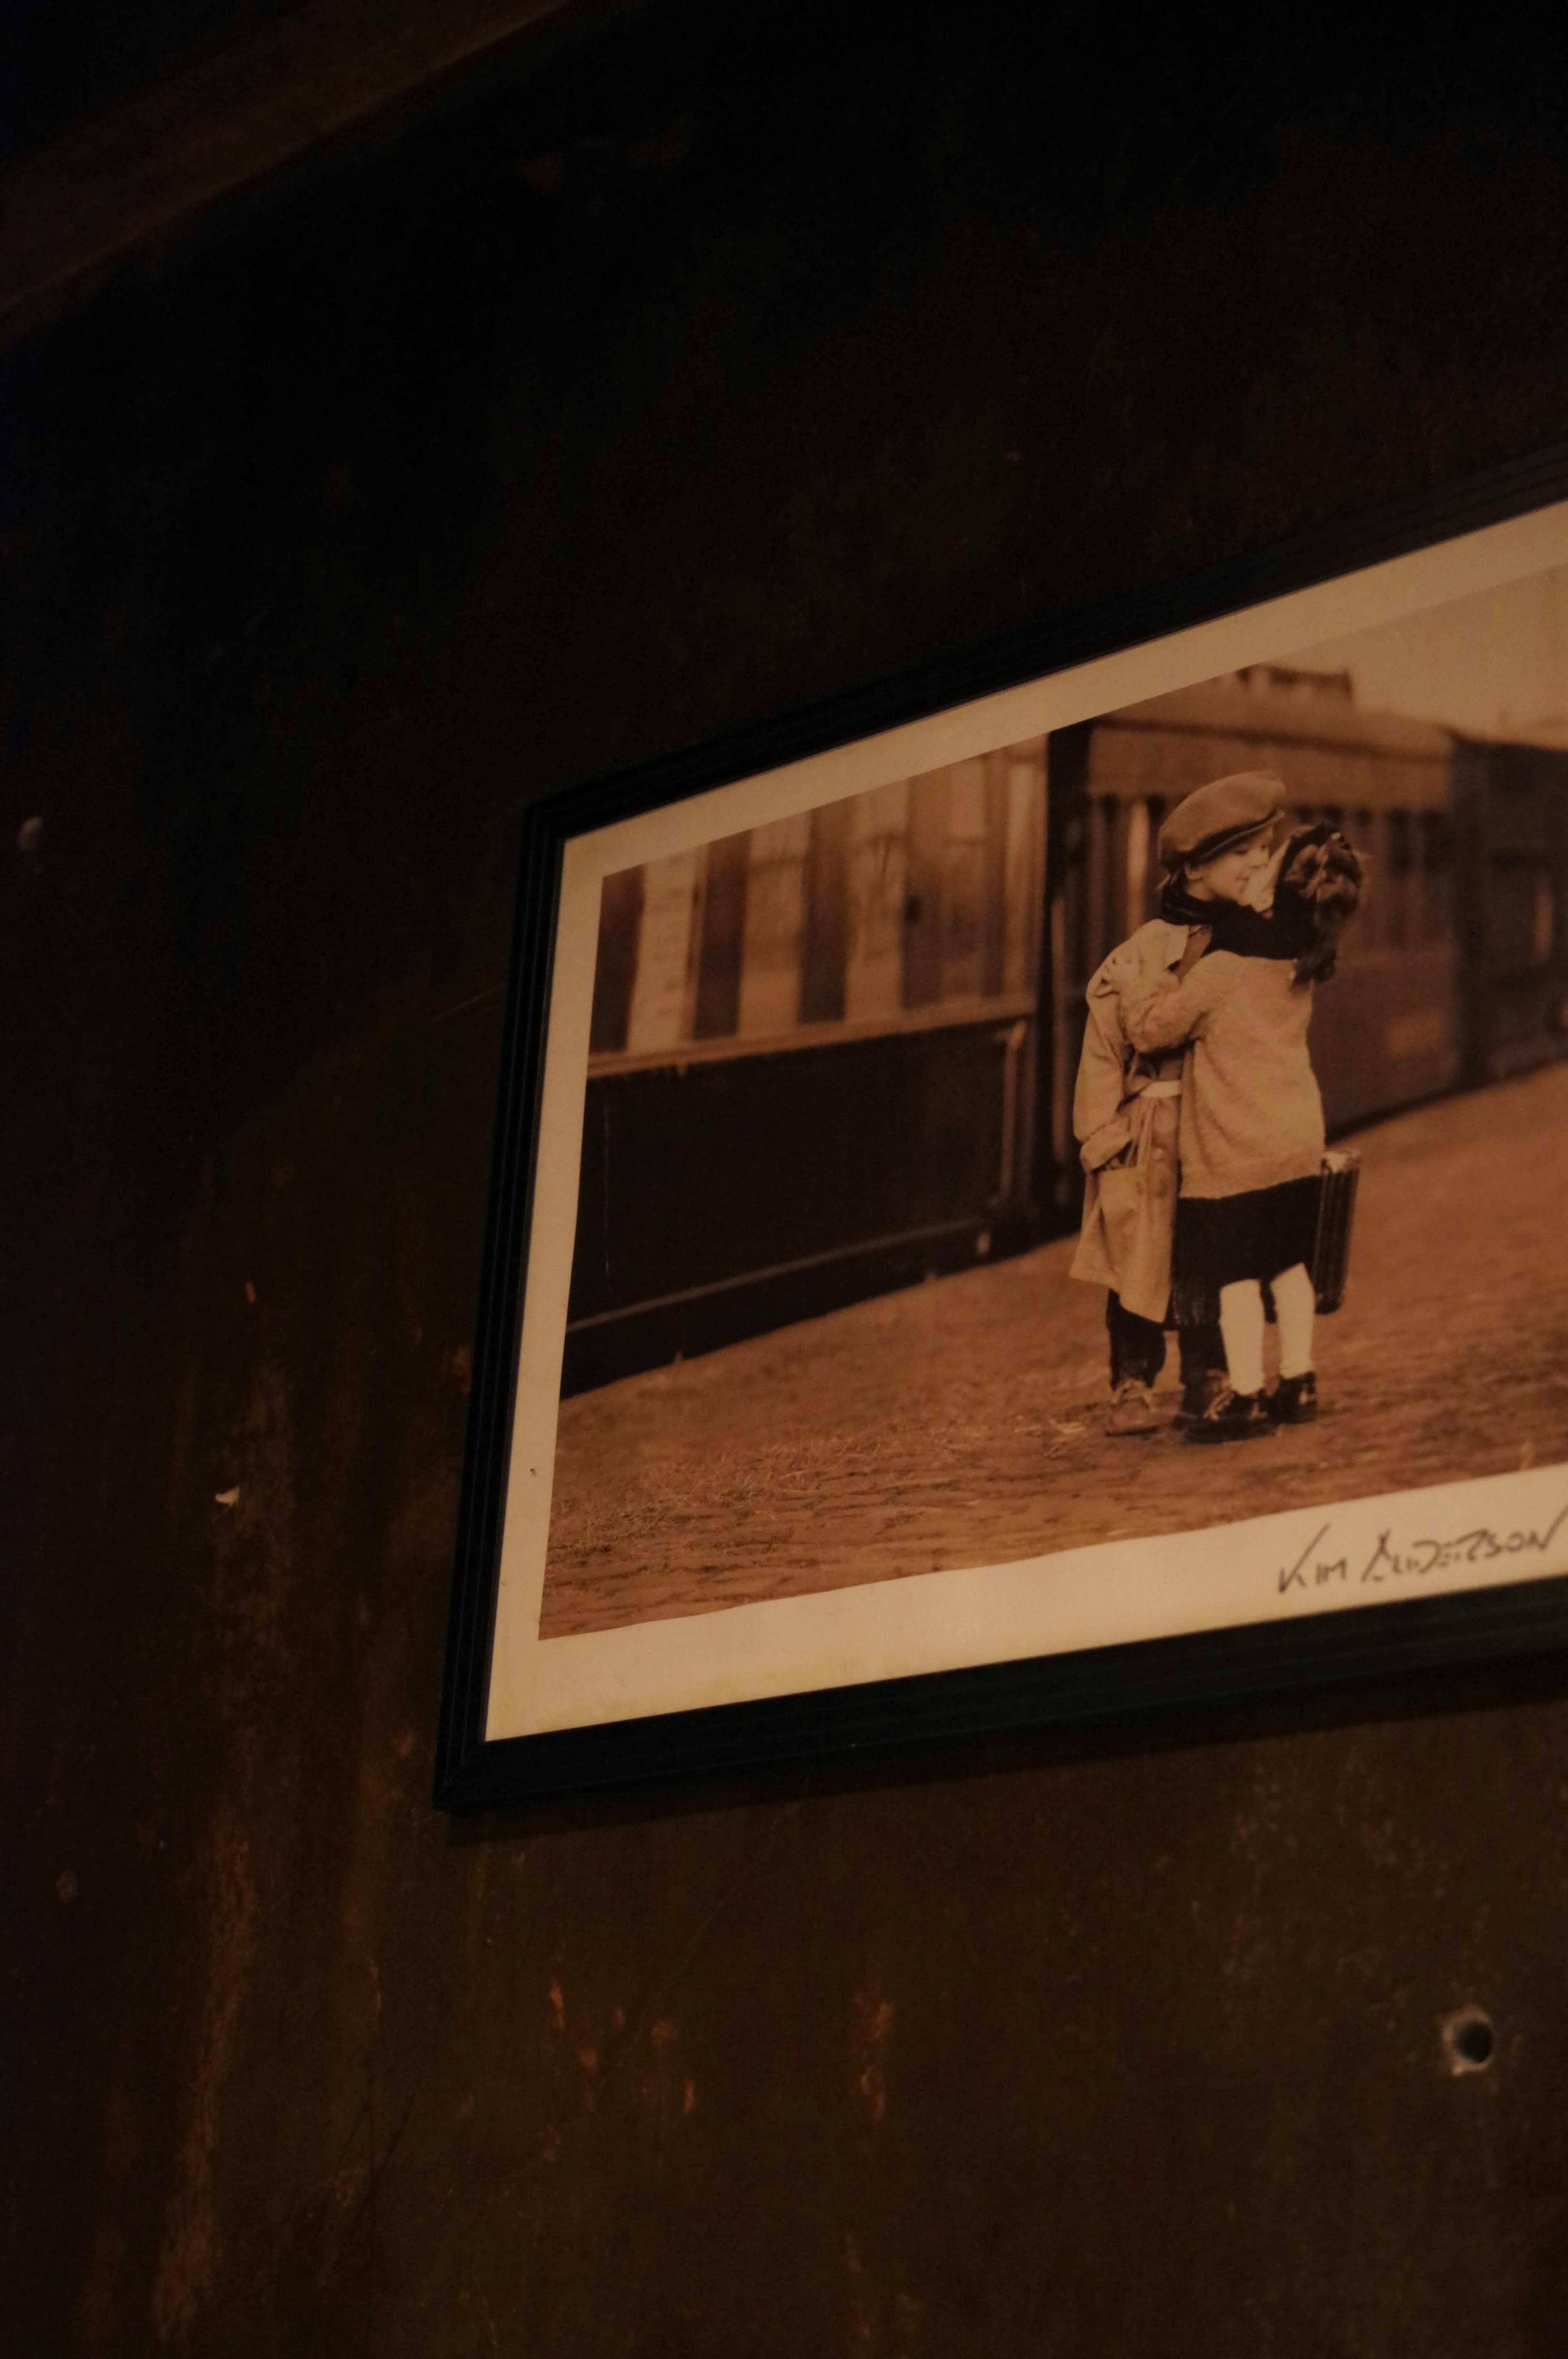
(1234, 1000)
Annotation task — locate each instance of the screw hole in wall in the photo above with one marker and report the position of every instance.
(1469, 2043)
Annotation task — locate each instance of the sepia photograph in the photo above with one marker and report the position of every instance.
(1155, 1124)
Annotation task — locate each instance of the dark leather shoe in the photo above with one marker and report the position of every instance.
(1293, 1400)
(1199, 1395)
(1231, 1417)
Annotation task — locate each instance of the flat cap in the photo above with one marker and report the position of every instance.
(1213, 819)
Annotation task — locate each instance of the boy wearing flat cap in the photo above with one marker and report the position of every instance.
(1214, 847)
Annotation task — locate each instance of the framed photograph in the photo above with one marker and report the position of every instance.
(1038, 1192)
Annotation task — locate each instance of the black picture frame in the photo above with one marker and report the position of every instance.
(1403, 1639)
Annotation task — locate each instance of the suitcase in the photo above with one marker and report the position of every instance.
(1335, 1222)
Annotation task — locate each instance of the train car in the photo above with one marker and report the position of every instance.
(1511, 903)
(813, 1065)
(836, 1054)
(1455, 969)
(1390, 1029)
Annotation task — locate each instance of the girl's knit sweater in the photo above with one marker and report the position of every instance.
(1251, 1113)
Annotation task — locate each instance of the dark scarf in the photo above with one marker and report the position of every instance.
(1178, 907)
(1283, 935)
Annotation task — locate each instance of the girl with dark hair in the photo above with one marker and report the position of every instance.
(1252, 1124)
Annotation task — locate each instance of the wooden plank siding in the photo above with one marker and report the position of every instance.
(919, 895)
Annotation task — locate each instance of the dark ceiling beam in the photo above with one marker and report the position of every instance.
(79, 207)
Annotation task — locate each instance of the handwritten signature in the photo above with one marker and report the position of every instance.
(1318, 1568)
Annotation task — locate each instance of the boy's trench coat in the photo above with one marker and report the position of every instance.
(1127, 1118)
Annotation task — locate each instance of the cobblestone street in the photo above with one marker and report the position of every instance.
(961, 1422)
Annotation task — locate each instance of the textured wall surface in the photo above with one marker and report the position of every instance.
(714, 362)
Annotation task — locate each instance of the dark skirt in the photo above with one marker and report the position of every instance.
(1220, 1239)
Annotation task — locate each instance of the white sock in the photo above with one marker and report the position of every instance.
(1295, 1308)
(1241, 1324)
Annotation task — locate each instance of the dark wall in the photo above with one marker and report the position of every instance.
(716, 361)
(62, 60)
